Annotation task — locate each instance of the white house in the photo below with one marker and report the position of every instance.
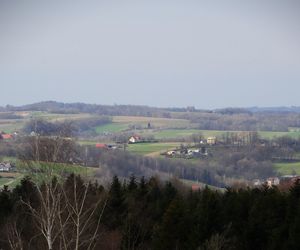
(134, 139)
(5, 167)
(273, 181)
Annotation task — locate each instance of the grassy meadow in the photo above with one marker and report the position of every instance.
(151, 149)
(112, 128)
(288, 168)
(42, 171)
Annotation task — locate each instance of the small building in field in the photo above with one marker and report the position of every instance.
(211, 140)
(134, 139)
(171, 153)
(5, 136)
(196, 187)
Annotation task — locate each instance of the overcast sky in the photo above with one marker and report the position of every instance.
(208, 54)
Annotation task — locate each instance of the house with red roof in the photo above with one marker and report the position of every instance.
(101, 145)
(196, 187)
(6, 136)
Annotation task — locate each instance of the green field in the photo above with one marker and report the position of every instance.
(111, 128)
(151, 148)
(42, 171)
(10, 179)
(288, 168)
(180, 133)
(123, 123)
(155, 122)
(4, 181)
(271, 134)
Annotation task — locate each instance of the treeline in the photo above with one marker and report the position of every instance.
(66, 128)
(233, 119)
(9, 116)
(146, 214)
(242, 121)
(110, 110)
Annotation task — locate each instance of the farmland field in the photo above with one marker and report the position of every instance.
(111, 128)
(10, 179)
(271, 134)
(154, 121)
(180, 133)
(150, 148)
(38, 171)
(288, 168)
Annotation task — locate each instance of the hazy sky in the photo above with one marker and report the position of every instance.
(157, 52)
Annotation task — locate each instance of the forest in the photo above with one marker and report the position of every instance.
(146, 214)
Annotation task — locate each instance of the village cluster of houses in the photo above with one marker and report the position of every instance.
(187, 152)
(137, 139)
(6, 167)
(276, 181)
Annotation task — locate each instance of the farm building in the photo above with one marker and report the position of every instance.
(196, 187)
(134, 139)
(6, 136)
(171, 153)
(101, 145)
(5, 167)
(211, 140)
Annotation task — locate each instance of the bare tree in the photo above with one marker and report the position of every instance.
(82, 214)
(49, 210)
(65, 218)
(14, 238)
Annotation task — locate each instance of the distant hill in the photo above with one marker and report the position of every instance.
(292, 109)
(137, 110)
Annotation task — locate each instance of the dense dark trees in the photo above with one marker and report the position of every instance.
(67, 128)
(148, 214)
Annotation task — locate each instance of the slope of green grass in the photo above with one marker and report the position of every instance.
(155, 122)
(272, 134)
(111, 128)
(180, 133)
(149, 148)
(288, 168)
(43, 171)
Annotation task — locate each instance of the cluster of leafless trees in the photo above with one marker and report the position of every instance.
(63, 215)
